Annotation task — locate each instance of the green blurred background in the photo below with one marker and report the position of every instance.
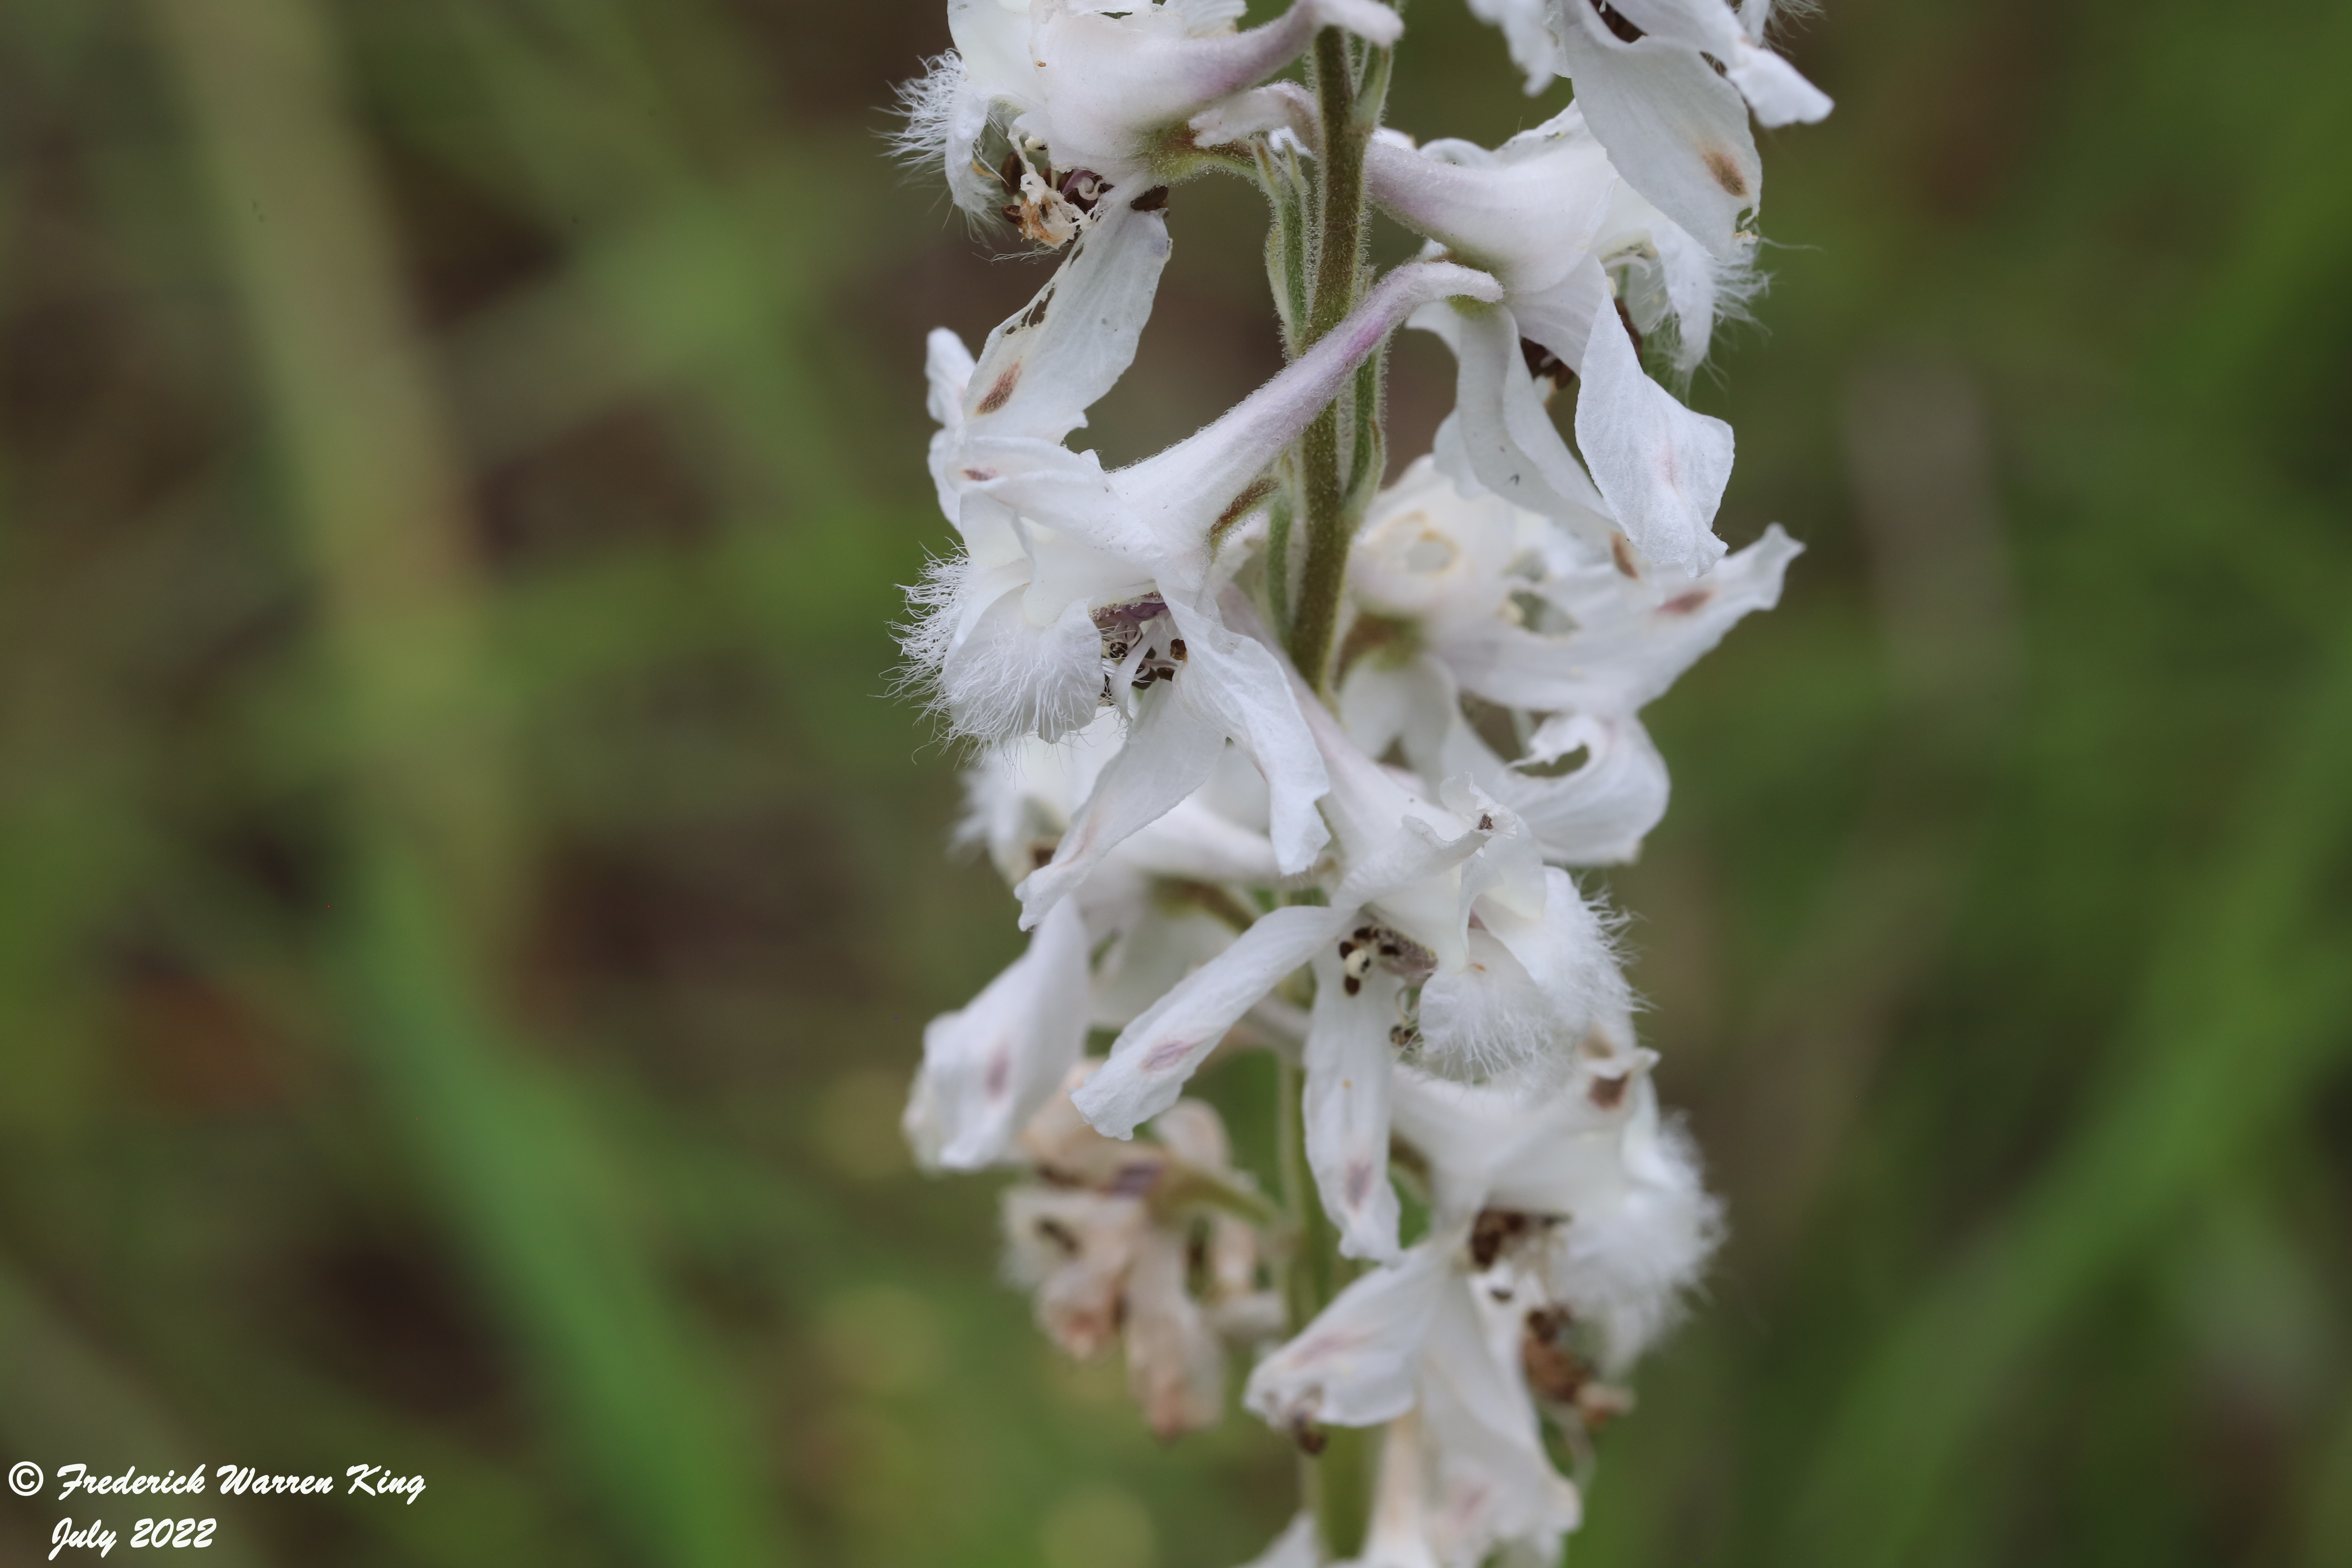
(468, 904)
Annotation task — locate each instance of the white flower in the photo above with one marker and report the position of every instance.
(1107, 1241)
(1163, 900)
(1579, 1216)
(1547, 216)
(1459, 591)
(1444, 936)
(1089, 101)
(988, 1067)
(1617, 1223)
(1646, 76)
(1463, 1470)
(1076, 587)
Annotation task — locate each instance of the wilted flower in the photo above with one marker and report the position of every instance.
(1139, 1243)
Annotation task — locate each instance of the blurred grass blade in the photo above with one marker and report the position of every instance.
(379, 503)
(2243, 1008)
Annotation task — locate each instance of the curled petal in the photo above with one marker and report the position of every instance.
(1662, 466)
(1673, 126)
(1354, 1364)
(987, 1067)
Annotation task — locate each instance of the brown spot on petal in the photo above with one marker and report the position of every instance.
(1685, 603)
(1060, 1235)
(1725, 170)
(1000, 1071)
(1359, 1183)
(1621, 550)
(980, 475)
(1001, 393)
(1608, 1093)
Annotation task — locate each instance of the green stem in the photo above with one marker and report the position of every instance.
(1338, 282)
(1335, 1481)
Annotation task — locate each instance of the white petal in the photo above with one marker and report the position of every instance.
(1155, 1055)
(1346, 1107)
(1597, 814)
(1774, 89)
(1486, 1017)
(989, 1066)
(1673, 126)
(1634, 1245)
(1494, 1483)
(1185, 489)
(1046, 364)
(1111, 85)
(1501, 431)
(1251, 692)
(1662, 466)
(1167, 756)
(1631, 642)
(1009, 676)
(1527, 31)
(1354, 1366)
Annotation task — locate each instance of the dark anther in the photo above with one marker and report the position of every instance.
(1042, 855)
(1543, 364)
(1554, 1371)
(1390, 950)
(1493, 1230)
(1608, 1093)
(1346, 948)
(1060, 1235)
(1632, 331)
(1351, 986)
(1143, 678)
(1363, 933)
(1176, 647)
(1310, 1439)
(1009, 174)
(1150, 201)
(1116, 652)
(1485, 822)
(1615, 22)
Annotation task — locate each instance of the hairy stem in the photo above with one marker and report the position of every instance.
(1339, 284)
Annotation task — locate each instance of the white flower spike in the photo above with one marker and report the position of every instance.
(1278, 757)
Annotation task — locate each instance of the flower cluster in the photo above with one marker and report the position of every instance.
(1278, 756)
